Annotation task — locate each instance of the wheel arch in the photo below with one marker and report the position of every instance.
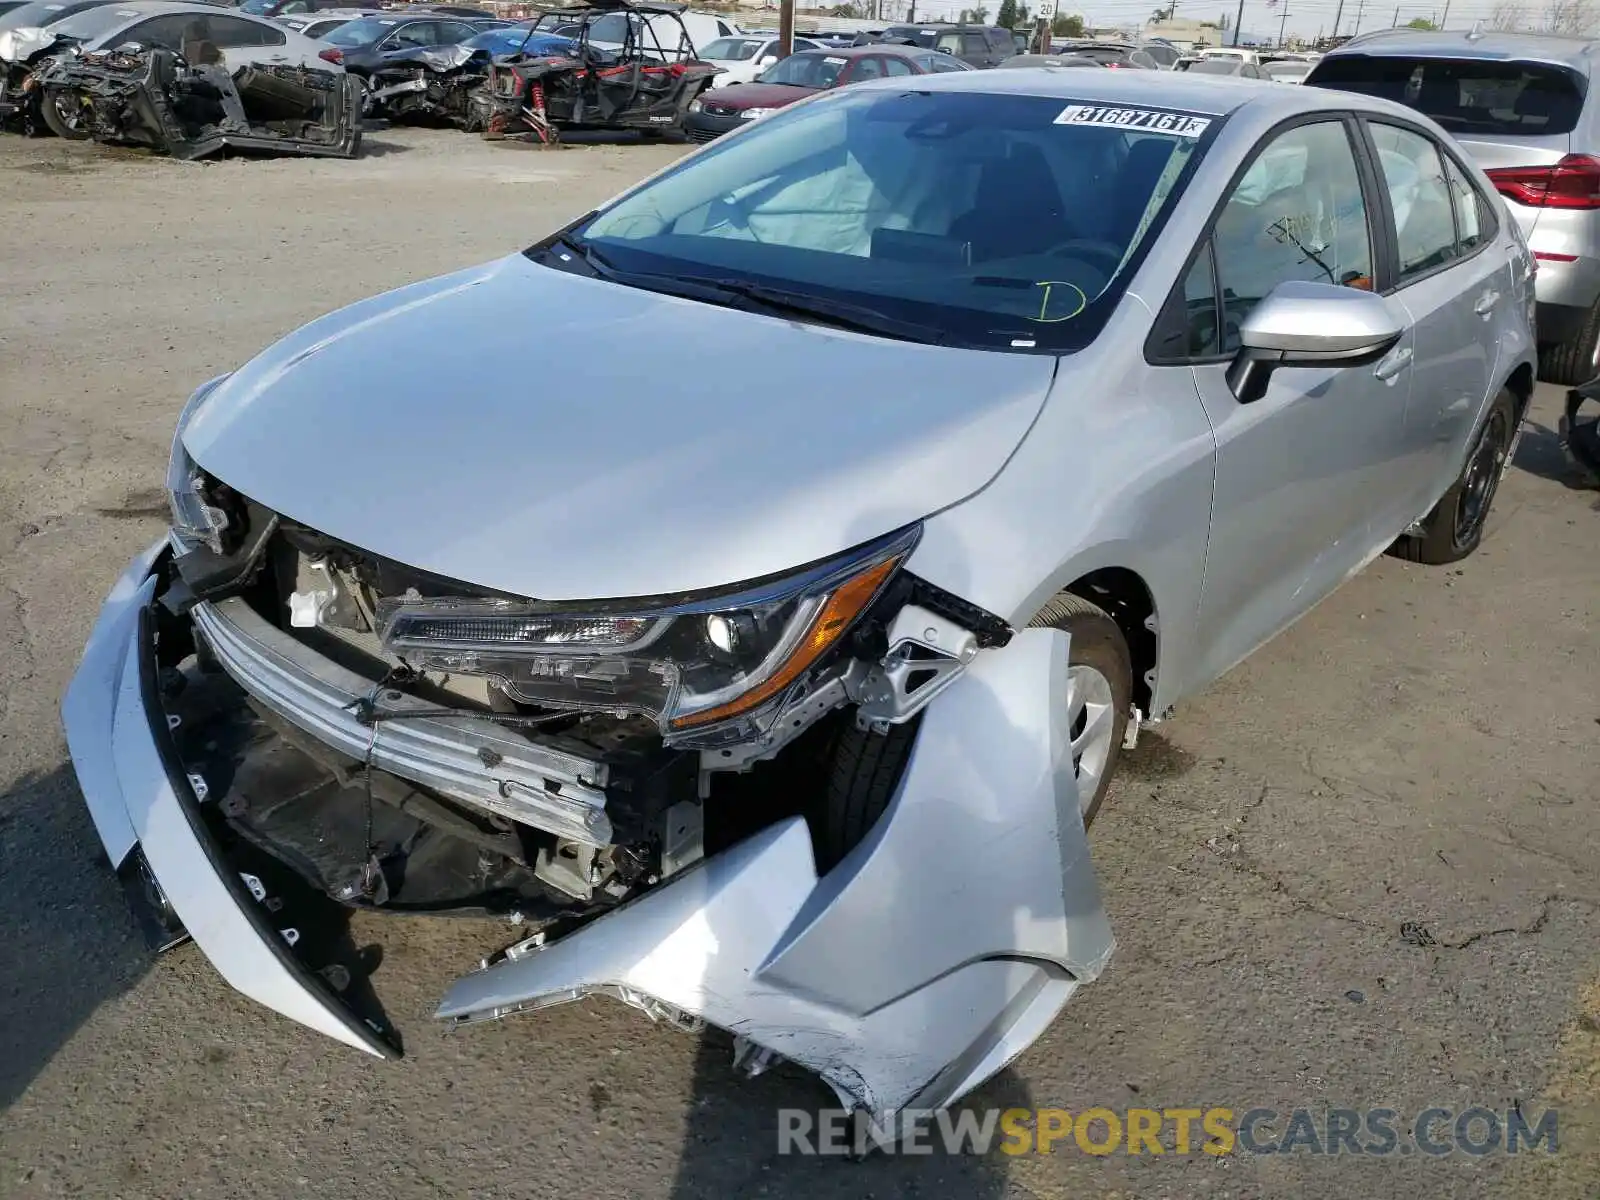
(1130, 602)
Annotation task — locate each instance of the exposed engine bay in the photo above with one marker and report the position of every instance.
(354, 719)
(160, 100)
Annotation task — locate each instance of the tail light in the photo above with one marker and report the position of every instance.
(1574, 182)
(332, 54)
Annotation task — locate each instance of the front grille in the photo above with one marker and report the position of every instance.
(702, 135)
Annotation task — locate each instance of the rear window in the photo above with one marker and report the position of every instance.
(1466, 96)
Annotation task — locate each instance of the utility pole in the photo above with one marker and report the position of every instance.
(1238, 21)
(1396, 20)
(1282, 21)
(1337, 13)
(1361, 7)
(1445, 20)
(785, 28)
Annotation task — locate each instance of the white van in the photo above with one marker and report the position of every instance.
(609, 31)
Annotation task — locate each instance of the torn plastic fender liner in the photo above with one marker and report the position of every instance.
(928, 959)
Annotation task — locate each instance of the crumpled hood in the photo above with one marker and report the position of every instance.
(20, 44)
(523, 429)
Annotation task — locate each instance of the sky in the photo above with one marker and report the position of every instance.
(1305, 17)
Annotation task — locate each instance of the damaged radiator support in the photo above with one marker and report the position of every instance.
(157, 99)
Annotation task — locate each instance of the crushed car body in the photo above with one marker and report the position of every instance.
(156, 99)
(647, 83)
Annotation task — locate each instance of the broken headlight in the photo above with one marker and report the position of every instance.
(195, 519)
(689, 666)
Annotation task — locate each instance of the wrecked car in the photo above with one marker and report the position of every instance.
(156, 99)
(645, 83)
(786, 711)
(445, 83)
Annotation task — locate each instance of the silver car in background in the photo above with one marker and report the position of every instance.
(785, 708)
(1525, 107)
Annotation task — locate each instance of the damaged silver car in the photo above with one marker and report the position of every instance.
(780, 699)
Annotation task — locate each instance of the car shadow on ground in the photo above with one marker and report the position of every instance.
(731, 1140)
(1540, 453)
(70, 942)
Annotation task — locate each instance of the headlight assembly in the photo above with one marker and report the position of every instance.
(194, 518)
(689, 666)
(752, 114)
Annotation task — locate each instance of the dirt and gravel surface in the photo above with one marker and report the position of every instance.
(1359, 871)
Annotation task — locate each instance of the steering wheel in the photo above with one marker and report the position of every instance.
(1096, 248)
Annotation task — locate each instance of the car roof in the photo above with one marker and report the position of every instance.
(870, 48)
(1212, 95)
(1486, 44)
(153, 8)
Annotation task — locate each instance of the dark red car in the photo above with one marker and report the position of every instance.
(805, 74)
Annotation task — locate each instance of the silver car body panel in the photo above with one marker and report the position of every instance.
(130, 791)
(469, 453)
(946, 980)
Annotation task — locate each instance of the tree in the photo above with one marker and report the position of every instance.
(974, 16)
(1162, 14)
(1222, 23)
(1420, 23)
(1008, 13)
(1571, 17)
(1065, 26)
(1508, 15)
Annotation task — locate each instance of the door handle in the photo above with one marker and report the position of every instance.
(1486, 303)
(1393, 365)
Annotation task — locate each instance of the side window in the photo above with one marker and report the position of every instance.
(973, 45)
(866, 68)
(452, 32)
(1297, 214)
(1419, 196)
(166, 32)
(231, 31)
(417, 33)
(1473, 226)
(897, 66)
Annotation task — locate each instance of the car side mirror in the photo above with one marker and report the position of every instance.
(766, 60)
(1310, 325)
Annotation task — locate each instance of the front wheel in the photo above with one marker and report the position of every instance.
(62, 115)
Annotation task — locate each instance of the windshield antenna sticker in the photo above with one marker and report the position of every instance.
(1150, 120)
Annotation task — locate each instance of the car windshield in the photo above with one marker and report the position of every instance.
(361, 32)
(998, 221)
(1288, 70)
(1464, 95)
(732, 49)
(813, 69)
(1216, 66)
(258, 8)
(89, 23)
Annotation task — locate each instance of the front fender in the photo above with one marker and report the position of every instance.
(929, 958)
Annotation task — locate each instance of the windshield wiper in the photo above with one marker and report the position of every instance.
(841, 314)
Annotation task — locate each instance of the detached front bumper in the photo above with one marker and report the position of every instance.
(929, 958)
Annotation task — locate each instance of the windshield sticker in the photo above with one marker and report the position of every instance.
(835, 62)
(1152, 119)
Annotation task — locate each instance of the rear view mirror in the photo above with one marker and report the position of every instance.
(1310, 324)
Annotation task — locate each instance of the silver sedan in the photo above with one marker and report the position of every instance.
(764, 651)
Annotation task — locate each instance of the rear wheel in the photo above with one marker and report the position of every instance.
(1576, 360)
(1455, 526)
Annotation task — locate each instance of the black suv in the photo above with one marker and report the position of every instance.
(975, 45)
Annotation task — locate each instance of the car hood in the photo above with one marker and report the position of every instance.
(761, 95)
(654, 445)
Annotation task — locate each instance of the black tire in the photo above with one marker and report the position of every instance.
(1097, 642)
(862, 769)
(1572, 362)
(54, 121)
(1454, 528)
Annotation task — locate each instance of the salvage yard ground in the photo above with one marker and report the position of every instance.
(1359, 871)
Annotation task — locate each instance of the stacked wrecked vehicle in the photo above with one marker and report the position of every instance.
(647, 83)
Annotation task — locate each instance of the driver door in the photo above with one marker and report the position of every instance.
(1310, 478)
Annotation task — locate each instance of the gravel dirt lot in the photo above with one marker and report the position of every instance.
(1419, 752)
